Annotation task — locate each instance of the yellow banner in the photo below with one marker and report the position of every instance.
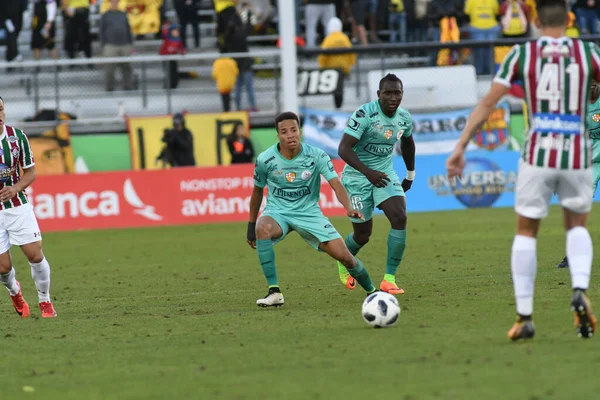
(52, 151)
(210, 132)
(143, 15)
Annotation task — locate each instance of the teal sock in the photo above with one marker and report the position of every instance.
(266, 256)
(360, 273)
(352, 245)
(396, 244)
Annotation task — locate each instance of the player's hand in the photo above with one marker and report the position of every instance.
(406, 185)
(352, 213)
(455, 164)
(250, 235)
(7, 193)
(377, 178)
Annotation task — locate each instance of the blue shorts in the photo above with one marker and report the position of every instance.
(314, 228)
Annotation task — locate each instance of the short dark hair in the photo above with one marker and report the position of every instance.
(284, 116)
(552, 13)
(390, 78)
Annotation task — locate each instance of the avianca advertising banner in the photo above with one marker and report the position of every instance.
(151, 198)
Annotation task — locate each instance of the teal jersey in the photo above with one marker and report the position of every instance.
(592, 123)
(294, 185)
(377, 135)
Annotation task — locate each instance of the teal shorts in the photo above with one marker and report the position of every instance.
(314, 228)
(364, 197)
(596, 162)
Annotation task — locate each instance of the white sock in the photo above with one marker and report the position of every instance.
(40, 273)
(580, 255)
(524, 267)
(9, 280)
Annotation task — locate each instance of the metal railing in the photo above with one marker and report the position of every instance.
(54, 84)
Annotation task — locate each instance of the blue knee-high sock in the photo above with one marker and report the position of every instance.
(266, 256)
(352, 245)
(396, 244)
(360, 273)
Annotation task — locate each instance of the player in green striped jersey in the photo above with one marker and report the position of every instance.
(18, 225)
(592, 122)
(556, 72)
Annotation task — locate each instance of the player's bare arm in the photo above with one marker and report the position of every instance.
(255, 202)
(342, 195)
(8, 192)
(456, 162)
(408, 148)
(346, 153)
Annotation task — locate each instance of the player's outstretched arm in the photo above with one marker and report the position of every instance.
(408, 148)
(456, 162)
(255, 201)
(346, 153)
(342, 195)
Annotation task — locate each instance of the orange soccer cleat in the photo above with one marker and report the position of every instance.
(47, 309)
(21, 306)
(390, 287)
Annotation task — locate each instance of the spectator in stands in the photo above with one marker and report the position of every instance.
(417, 21)
(11, 20)
(225, 72)
(587, 16)
(572, 29)
(397, 21)
(514, 18)
(240, 146)
(360, 9)
(226, 12)
(171, 45)
(336, 39)
(315, 11)
(373, 7)
(187, 14)
(77, 27)
(483, 25)
(179, 151)
(236, 41)
(437, 11)
(43, 28)
(116, 40)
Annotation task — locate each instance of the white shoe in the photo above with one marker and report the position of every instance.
(273, 299)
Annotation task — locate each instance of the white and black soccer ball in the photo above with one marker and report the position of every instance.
(380, 310)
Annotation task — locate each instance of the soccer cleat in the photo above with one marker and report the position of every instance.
(390, 287)
(347, 279)
(585, 321)
(47, 309)
(563, 264)
(273, 299)
(522, 329)
(21, 306)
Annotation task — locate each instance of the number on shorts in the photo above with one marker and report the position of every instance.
(357, 203)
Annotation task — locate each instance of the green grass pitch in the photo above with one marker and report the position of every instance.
(169, 313)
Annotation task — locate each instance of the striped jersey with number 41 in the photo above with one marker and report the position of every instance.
(15, 153)
(556, 76)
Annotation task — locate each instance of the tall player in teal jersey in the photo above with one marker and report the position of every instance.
(369, 177)
(592, 122)
(556, 72)
(292, 172)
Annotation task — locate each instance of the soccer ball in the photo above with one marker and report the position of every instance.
(380, 310)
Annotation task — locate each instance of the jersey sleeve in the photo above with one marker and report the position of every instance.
(508, 71)
(409, 126)
(326, 167)
(595, 51)
(357, 124)
(26, 156)
(260, 174)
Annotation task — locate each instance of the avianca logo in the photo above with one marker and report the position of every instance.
(134, 201)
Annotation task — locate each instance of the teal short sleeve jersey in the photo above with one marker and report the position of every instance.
(377, 135)
(294, 185)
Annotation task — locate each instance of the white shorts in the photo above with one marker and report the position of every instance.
(18, 226)
(536, 185)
